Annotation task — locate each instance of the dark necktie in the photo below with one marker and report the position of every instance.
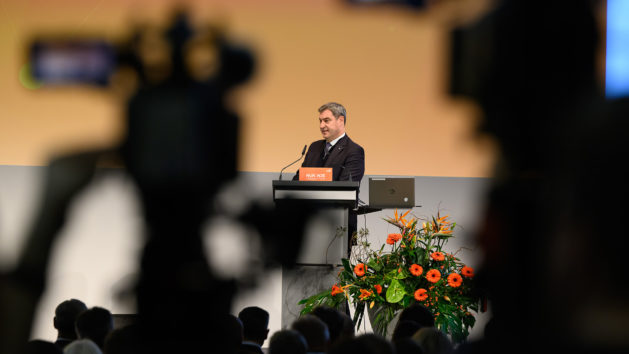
(328, 147)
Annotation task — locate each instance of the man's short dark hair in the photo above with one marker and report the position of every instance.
(255, 323)
(337, 110)
(66, 313)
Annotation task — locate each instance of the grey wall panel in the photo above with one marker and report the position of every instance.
(96, 255)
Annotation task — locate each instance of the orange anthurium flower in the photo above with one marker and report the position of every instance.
(364, 294)
(421, 294)
(433, 276)
(454, 280)
(393, 238)
(416, 270)
(336, 290)
(467, 271)
(378, 288)
(438, 256)
(359, 269)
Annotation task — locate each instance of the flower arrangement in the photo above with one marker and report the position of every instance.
(415, 268)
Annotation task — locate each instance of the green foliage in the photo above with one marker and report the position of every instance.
(395, 292)
(389, 285)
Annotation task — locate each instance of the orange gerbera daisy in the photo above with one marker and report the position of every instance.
(454, 280)
(433, 275)
(421, 294)
(359, 269)
(364, 294)
(467, 271)
(336, 290)
(393, 238)
(438, 256)
(416, 270)
(378, 288)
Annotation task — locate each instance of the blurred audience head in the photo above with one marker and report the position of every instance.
(232, 329)
(82, 346)
(124, 340)
(95, 324)
(418, 313)
(65, 317)
(364, 344)
(405, 329)
(332, 318)
(407, 345)
(433, 341)
(255, 323)
(348, 327)
(314, 330)
(288, 341)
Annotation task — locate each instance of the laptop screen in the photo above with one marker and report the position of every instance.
(391, 192)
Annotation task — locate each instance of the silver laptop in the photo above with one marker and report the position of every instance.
(391, 192)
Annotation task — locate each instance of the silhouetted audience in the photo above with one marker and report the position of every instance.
(405, 329)
(407, 346)
(411, 320)
(232, 334)
(333, 318)
(418, 313)
(433, 341)
(65, 317)
(82, 346)
(481, 345)
(348, 327)
(255, 323)
(314, 331)
(364, 344)
(37, 346)
(287, 341)
(95, 324)
(124, 340)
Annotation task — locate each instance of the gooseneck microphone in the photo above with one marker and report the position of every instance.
(303, 152)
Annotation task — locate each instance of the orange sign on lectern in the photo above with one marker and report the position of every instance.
(315, 174)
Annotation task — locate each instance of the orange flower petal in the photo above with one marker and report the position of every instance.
(433, 275)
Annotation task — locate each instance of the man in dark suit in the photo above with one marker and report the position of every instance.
(336, 149)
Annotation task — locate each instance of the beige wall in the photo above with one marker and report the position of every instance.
(388, 66)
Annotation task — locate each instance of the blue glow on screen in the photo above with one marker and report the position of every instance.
(617, 51)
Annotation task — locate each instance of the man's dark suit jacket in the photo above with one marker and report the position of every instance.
(346, 158)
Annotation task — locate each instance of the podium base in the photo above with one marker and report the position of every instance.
(303, 281)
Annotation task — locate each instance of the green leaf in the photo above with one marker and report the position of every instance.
(373, 264)
(346, 265)
(395, 292)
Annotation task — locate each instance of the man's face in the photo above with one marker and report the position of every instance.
(331, 128)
